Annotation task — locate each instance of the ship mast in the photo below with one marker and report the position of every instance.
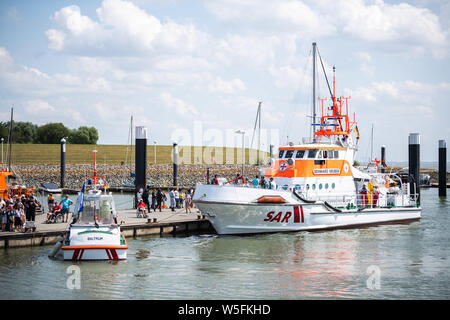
(314, 87)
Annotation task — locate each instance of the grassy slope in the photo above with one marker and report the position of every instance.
(115, 154)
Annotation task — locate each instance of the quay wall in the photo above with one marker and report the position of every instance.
(35, 239)
(159, 175)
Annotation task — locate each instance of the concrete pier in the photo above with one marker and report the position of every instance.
(167, 222)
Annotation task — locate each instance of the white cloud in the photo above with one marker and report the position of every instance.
(122, 29)
(403, 26)
(35, 107)
(178, 105)
(219, 85)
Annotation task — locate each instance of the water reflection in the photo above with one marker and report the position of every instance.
(413, 260)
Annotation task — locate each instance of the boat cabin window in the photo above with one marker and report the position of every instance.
(312, 153)
(99, 210)
(300, 154)
(289, 154)
(280, 155)
(336, 154)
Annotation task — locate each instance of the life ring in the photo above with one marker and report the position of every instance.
(283, 166)
(346, 167)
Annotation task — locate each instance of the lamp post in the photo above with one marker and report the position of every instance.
(155, 142)
(243, 153)
(2, 151)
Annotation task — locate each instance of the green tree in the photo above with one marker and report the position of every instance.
(4, 127)
(83, 135)
(24, 132)
(51, 133)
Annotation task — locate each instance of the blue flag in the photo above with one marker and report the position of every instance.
(81, 199)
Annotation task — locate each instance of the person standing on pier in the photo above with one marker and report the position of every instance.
(50, 202)
(177, 198)
(187, 202)
(31, 205)
(145, 196)
(154, 200)
(172, 200)
(66, 203)
(3, 216)
(159, 199)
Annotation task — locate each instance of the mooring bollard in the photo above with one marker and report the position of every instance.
(175, 163)
(414, 164)
(442, 168)
(140, 160)
(63, 162)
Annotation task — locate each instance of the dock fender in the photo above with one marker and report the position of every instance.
(57, 247)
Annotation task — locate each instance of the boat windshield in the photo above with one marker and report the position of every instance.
(98, 208)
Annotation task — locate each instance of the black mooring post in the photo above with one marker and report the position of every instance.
(383, 159)
(63, 162)
(175, 163)
(414, 164)
(140, 160)
(442, 168)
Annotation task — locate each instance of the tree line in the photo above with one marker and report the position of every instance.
(50, 133)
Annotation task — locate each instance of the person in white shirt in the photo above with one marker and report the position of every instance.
(272, 184)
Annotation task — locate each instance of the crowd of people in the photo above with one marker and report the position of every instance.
(15, 211)
(55, 208)
(156, 200)
(257, 182)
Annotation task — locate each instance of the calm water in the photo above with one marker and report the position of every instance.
(412, 260)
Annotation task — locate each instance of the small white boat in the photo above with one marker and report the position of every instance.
(317, 187)
(94, 234)
(49, 188)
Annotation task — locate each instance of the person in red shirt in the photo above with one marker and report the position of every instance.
(141, 207)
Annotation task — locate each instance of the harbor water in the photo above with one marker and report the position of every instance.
(399, 261)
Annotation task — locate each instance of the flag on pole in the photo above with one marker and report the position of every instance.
(81, 199)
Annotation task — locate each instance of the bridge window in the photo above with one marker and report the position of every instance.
(336, 154)
(325, 154)
(280, 155)
(312, 153)
(300, 154)
(289, 154)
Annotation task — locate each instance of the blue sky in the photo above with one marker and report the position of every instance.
(178, 66)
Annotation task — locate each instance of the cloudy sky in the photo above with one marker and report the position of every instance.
(199, 68)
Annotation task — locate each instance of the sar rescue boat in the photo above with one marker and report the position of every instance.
(317, 186)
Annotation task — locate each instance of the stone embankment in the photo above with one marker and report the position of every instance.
(116, 175)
